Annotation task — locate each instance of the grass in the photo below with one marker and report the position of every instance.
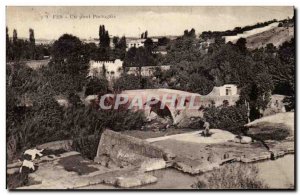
(16, 180)
(268, 131)
(77, 164)
(232, 176)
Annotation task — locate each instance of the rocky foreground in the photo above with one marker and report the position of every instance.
(123, 161)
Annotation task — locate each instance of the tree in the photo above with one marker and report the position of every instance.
(115, 41)
(8, 46)
(74, 99)
(241, 44)
(68, 55)
(163, 41)
(148, 44)
(120, 48)
(199, 84)
(15, 37)
(286, 73)
(104, 37)
(96, 86)
(139, 57)
(32, 43)
(127, 82)
(192, 33)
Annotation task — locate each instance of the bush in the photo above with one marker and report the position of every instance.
(96, 85)
(87, 145)
(232, 176)
(121, 120)
(229, 118)
(129, 81)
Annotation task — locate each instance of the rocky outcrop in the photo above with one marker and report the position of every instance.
(57, 145)
(194, 167)
(124, 150)
(278, 126)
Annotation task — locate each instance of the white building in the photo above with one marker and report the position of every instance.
(113, 69)
(225, 90)
(146, 70)
(135, 43)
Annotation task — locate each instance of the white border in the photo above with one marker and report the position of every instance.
(4, 3)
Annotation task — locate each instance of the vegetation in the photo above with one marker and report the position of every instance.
(19, 49)
(34, 115)
(235, 31)
(129, 81)
(258, 73)
(231, 118)
(232, 176)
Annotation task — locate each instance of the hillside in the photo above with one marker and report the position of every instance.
(277, 36)
(260, 37)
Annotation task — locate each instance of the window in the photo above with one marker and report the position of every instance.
(228, 91)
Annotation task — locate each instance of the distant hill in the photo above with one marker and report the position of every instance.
(260, 37)
(277, 36)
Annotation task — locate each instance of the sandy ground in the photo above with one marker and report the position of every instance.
(218, 136)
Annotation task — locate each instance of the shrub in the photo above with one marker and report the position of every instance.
(87, 145)
(129, 81)
(96, 85)
(230, 118)
(232, 176)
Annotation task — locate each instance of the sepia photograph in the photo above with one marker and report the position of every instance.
(150, 98)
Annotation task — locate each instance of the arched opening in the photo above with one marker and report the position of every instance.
(161, 110)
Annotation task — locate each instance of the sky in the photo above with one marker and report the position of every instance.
(52, 22)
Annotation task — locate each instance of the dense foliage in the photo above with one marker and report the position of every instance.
(34, 115)
(19, 49)
(231, 118)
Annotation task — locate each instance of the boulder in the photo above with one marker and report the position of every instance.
(136, 180)
(194, 166)
(57, 145)
(126, 150)
(153, 164)
(242, 139)
(246, 140)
